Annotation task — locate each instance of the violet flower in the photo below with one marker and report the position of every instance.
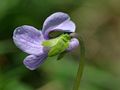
(29, 39)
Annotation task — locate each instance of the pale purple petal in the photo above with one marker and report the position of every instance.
(73, 44)
(32, 62)
(58, 21)
(28, 39)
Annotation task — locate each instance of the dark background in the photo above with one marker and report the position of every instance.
(98, 22)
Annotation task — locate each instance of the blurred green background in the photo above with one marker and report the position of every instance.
(98, 22)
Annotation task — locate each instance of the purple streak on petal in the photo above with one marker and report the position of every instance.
(73, 44)
(32, 62)
(28, 39)
(58, 21)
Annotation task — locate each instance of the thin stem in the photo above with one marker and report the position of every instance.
(81, 65)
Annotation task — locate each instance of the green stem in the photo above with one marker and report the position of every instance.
(81, 65)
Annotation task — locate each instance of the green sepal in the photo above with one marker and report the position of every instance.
(57, 45)
(58, 48)
(50, 43)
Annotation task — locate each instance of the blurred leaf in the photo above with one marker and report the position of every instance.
(8, 83)
(6, 46)
(93, 77)
(6, 5)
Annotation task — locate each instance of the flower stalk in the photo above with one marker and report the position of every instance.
(81, 65)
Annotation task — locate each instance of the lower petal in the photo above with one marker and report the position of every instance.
(73, 44)
(32, 62)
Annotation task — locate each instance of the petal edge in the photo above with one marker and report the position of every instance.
(32, 62)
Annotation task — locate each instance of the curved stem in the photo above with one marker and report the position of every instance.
(81, 65)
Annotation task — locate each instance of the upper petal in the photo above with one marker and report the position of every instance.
(58, 21)
(73, 44)
(28, 39)
(32, 62)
